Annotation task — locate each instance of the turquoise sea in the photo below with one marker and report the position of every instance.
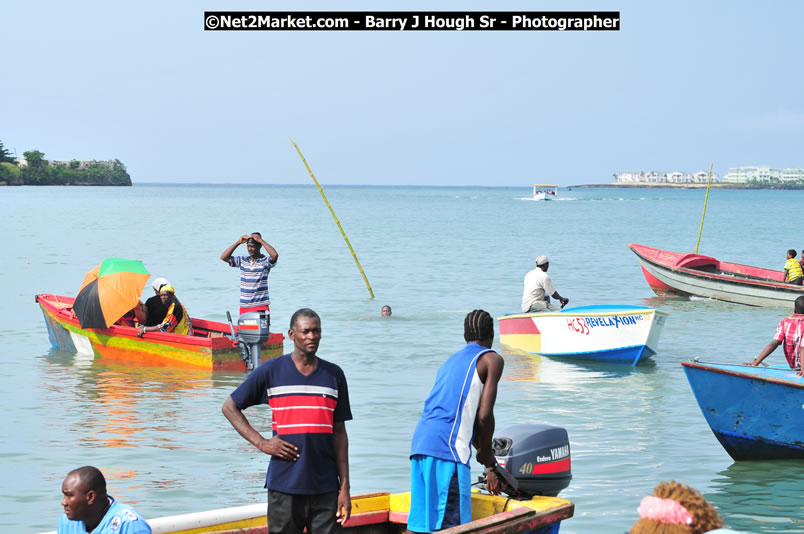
(433, 254)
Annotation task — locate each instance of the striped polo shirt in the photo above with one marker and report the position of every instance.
(304, 410)
(253, 280)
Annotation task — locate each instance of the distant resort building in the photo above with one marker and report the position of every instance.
(756, 174)
(675, 177)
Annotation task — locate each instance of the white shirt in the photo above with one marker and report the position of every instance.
(537, 285)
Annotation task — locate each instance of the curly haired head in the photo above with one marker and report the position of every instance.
(705, 516)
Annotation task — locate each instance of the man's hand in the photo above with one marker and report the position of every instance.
(486, 458)
(493, 482)
(244, 238)
(140, 331)
(344, 506)
(280, 448)
(800, 371)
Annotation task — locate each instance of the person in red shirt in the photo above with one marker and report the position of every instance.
(789, 334)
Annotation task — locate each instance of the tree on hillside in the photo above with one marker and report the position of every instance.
(36, 171)
(10, 173)
(5, 155)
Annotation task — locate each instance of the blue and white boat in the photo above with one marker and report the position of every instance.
(757, 413)
(611, 333)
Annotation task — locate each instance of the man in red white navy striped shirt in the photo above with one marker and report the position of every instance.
(308, 476)
(789, 334)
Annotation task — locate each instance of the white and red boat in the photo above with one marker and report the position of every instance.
(678, 273)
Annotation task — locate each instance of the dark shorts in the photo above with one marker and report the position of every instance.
(452, 512)
(291, 514)
(797, 281)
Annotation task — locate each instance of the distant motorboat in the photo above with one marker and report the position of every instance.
(544, 191)
(755, 412)
(612, 333)
(694, 274)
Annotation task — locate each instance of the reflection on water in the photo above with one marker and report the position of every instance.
(522, 366)
(761, 496)
(123, 405)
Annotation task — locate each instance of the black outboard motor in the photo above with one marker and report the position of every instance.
(536, 457)
(252, 331)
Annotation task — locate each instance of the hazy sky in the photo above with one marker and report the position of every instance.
(680, 85)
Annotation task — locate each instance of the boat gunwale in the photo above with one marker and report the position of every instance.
(771, 380)
(582, 314)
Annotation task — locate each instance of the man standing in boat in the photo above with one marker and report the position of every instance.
(458, 413)
(254, 270)
(88, 508)
(539, 288)
(308, 476)
(789, 334)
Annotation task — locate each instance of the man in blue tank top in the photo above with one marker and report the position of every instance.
(88, 508)
(458, 413)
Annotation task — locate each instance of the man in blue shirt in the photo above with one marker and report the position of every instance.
(458, 413)
(308, 476)
(87, 507)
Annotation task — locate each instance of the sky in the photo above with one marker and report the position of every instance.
(682, 84)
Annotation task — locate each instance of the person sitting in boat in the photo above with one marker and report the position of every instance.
(792, 269)
(134, 316)
(88, 508)
(789, 334)
(176, 319)
(155, 311)
(539, 288)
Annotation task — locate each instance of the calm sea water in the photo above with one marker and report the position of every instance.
(433, 254)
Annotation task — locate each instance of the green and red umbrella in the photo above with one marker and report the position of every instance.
(109, 291)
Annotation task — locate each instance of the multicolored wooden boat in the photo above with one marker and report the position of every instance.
(385, 513)
(612, 333)
(208, 347)
(676, 273)
(755, 412)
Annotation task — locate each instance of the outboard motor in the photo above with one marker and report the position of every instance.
(532, 460)
(252, 331)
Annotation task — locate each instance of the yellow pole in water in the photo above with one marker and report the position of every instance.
(334, 217)
(705, 202)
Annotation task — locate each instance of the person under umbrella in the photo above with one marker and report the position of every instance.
(109, 291)
(176, 320)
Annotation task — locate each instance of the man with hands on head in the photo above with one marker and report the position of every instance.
(254, 270)
(308, 476)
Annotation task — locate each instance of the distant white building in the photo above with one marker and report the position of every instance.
(758, 173)
(675, 177)
(792, 175)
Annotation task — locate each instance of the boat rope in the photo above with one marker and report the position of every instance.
(334, 217)
(708, 183)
